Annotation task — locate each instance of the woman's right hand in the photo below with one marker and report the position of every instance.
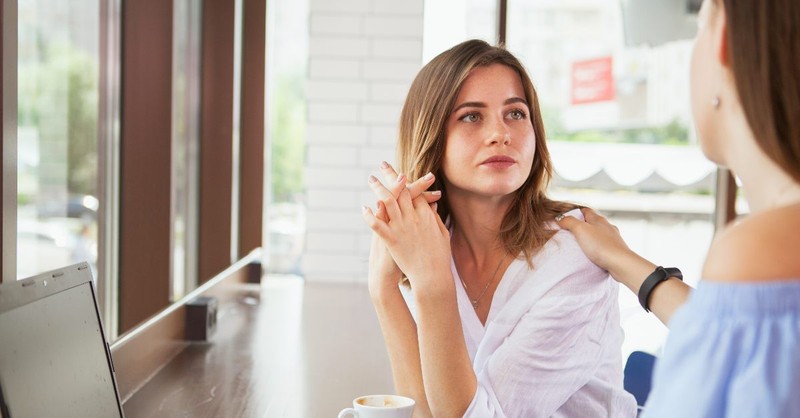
(383, 271)
(600, 241)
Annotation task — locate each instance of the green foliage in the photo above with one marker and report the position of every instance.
(673, 133)
(59, 95)
(24, 199)
(287, 135)
(551, 117)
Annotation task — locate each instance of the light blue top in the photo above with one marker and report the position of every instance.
(733, 351)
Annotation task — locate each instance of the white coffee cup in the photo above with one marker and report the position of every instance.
(380, 406)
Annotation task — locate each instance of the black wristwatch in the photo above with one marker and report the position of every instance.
(659, 275)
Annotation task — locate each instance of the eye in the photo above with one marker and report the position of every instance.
(517, 114)
(470, 117)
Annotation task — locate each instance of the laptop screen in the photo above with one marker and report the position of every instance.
(54, 359)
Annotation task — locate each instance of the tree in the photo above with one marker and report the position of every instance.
(287, 133)
(61, 91)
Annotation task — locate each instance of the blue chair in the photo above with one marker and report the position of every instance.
(638, 376)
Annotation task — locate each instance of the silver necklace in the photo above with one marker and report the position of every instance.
(494, 275)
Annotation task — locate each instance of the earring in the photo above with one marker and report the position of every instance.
(715, 102)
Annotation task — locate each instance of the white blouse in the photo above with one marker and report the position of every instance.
(551, 346)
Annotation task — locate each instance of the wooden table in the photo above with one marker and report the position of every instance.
(282, 349)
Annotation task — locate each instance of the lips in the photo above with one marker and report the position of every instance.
(499, 161)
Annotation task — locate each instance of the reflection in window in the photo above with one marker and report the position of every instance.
(614, 96)
(57, 134)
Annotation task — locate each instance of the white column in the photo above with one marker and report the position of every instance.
(363, 56)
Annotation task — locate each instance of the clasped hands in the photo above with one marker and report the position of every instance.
(409, 237)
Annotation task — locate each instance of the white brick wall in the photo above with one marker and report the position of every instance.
(363, 55)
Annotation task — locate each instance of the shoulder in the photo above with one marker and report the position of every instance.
(564, 245)
(761, 247)
(566, 257)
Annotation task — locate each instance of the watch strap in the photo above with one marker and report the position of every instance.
(659, 275)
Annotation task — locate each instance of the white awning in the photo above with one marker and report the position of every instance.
(630, 165)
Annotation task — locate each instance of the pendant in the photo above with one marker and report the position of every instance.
(475, 304)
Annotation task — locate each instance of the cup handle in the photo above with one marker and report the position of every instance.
(348, 411)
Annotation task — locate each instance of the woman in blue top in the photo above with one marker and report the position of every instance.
(734, 345)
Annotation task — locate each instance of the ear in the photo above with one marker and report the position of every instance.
(721, 36)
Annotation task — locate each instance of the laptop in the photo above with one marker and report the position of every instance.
(54, 358)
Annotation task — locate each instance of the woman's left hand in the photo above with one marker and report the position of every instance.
(384, 274)
(413, 232)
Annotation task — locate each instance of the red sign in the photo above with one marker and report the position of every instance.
(592, 81)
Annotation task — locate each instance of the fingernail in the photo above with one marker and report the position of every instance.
(364, 209)
(384, 164)
(372, 179)
(436, 192)
(428, 176)
(401, 178)
(435, 206)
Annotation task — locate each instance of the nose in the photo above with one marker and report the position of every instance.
(499, 133)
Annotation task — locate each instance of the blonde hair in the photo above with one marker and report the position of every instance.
(422, 137)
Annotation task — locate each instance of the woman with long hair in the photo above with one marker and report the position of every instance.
(734, 341)
(500, 313)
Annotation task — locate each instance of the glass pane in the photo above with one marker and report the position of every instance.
(613, 87)
(287, 63)
(450, 22)
(185, 145)
(57, 134)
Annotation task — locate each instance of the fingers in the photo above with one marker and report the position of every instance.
(420, 204)
(397, 195)
(397, 184)
(568, 222)
(421, 184)
(416, 188)
(394, 181)
(376, 225)
(432, 196)
(380, 212)
(442, 228)
(592, 216)
(392, 210)
(389, 174)
(405, 202)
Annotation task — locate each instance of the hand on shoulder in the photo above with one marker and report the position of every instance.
(599, 240)
(761, 247)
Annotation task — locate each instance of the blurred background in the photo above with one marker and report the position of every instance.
(612, 78)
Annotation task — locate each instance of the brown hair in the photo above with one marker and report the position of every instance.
(764, 50)
(422, 136)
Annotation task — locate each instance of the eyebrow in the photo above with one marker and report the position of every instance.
(482, 105)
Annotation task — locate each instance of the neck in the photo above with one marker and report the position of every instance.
(766, 186)
(779, 192)
(476, 227)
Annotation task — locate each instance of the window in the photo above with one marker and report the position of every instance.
(286, 109)
(448, 22)
(615, 102)
(57, 180)
(185, 145)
